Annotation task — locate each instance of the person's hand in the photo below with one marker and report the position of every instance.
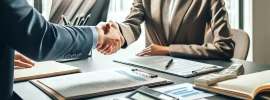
(154, 50)
(22, 61)
(110, 28)
(107, 41)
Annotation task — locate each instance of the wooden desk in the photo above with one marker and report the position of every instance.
(27, 91)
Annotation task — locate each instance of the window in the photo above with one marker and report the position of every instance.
(31, 2)
(46, 7)
(118, 11)
(232, 7)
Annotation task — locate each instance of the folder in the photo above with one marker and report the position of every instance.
(179, 67)
(97, 83)
(43, 69)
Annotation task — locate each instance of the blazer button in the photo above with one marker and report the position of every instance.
(68, 56)
(79, 55)
(73, 56)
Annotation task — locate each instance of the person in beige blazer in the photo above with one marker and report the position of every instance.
(177, 28)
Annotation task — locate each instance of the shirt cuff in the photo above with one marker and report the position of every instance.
(95, 37)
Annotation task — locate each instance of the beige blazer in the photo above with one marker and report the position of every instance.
(185, 37)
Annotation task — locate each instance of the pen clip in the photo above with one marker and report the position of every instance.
(144, 73)
(205, 70)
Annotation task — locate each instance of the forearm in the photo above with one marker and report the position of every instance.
(59, 43)
(131, 27)
(205, 51)
(30, 34)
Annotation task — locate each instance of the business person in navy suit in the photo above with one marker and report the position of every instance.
(23, 29)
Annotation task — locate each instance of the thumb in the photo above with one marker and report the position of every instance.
(108, 28)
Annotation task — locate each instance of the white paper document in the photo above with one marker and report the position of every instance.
(179, 66)
(97, 82)
(185, 92)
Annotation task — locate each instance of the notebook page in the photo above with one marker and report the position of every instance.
(98, 81)
(179, 66)
(42, 68)
(246, 83)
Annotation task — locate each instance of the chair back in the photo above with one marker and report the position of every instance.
(241, 40)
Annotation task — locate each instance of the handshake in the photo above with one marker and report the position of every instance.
(110, 38)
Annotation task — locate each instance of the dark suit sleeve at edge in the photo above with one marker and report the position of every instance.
(29, 33)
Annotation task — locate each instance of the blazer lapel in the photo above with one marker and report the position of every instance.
(156, 13)
(180, 9)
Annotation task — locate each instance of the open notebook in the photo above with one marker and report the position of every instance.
(243, 87)
(179, 67)
(43, 69)
(91, 84)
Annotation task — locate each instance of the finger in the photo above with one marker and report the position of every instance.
(149, 46)
(115, 49)
(22, 64)
(146, 49)
(113, 24)
(111, 51)
(26, 60)
(116, 41)
(107, 50)
(144, 53)
(98, 46)
(101, 49)
(108, 28)
(118, 46)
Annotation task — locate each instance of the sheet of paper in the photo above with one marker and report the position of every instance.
(98, 81)
(179, 66)
(185, 92)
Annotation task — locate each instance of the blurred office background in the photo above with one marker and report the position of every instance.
(251, 16)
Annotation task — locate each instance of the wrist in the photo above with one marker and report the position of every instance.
(166, 50)
(100, 35)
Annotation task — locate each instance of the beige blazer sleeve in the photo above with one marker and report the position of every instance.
(130, 28)
(222, 46)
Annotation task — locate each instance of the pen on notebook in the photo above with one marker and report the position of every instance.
(65, 20)
(86, 19)
(168, 64)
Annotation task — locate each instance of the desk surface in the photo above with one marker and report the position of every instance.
(27, 91)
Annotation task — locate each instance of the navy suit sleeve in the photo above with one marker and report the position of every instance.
(25, 30)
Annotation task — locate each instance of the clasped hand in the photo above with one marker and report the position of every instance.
(110, 38)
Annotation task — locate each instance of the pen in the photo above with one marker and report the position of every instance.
(86, 19)
(65, 20)
(75, 21)
(168, 64)
(81, 22)
(80, 18)
(69, 23)
(205, 70)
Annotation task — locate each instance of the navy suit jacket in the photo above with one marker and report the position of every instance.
(23, 29)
